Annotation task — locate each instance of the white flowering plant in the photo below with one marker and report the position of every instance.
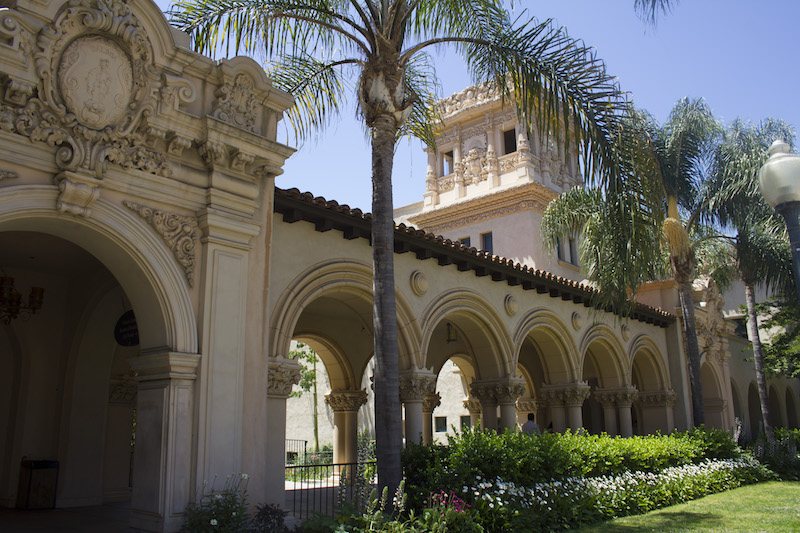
(223, 510)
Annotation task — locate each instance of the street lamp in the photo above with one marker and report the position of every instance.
(779, 180)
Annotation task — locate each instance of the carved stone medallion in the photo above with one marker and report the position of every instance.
(96, 81)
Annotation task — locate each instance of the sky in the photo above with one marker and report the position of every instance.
(741, 56)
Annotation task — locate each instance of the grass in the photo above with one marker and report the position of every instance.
(769, 507)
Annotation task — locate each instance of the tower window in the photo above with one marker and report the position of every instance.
(447, 162)
(486, 242)
(573, 252)
(466, 241)
(509, 141)
(441, 424)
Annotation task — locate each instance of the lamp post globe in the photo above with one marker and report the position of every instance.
(779, 181)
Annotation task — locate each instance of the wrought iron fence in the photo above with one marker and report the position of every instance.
(322, 488)
(295, 451)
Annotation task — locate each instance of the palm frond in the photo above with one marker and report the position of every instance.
(319, 89)
(649, 10)
(422, 87)
(569, 212)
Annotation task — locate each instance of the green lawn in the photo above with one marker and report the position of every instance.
(769, 507)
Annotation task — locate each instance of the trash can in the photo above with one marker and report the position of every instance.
(37, 484)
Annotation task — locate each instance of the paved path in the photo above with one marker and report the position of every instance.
(109, 518)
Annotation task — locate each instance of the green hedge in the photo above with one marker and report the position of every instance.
(525, 460)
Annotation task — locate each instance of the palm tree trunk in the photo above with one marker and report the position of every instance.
(388, 430)
(758, 358)
(692, 351)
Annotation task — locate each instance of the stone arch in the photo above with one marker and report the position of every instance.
(547, 334)
(775, 411)
(601, 347)
(472, 326)
(344, 278)
(652, 410)
(155, 285)
(714, 403)
(791, 409)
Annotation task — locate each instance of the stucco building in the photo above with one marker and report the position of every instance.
(137, 191)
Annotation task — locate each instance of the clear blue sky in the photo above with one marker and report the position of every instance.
(740, 55)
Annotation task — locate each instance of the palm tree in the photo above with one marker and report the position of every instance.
(761, 252)
(316, 46)
(680, 148)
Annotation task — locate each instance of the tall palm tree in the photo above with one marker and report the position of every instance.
(760, 245)
(316, 46)
(680, 148)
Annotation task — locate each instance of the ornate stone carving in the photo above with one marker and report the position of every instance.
(576, 394)
(509, 392)
(213, 153)
(236, 103)
(14, 35)
(76, 195)
(483, 392)
(511, 305)
(7, 174)
(346, 401)
(96, 83)
(571, 395)
(283, 374)
(473, 167)
(662, 397)
(446, 183)
(17, 92)
(177, 144)
(419, 283)
(178, 231)
(710, 322)
(431, 402)
(416, 386)
(472, 405)
(122, 391)
(625, 332)
(527, 405)
(175, 91)
(576, 320)
(473, 96)
(239, 160)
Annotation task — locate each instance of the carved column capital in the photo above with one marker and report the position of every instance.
(416, 386)
(576, 394)
(657, 398)
(431, 402)
(527, 405)
(283, 374)
(483, 391)
(346, 401)
(626, 396)
(472, 405)
(508, 392)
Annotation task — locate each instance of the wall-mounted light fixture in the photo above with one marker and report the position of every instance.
(452, 335)
(11, 304)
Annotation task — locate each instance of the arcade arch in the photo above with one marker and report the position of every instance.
(714, 403)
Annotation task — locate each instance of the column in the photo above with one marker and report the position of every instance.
(553, 398)
(507, 394)
(473, 406)
(574, 396)
(165, 415)
(607, 400)
(656, 408)
(484, 392)
(415, 386)
(525, 161)
(458, 167)
(283, 373)
(491, 154)
(625, 398)
(431, 402)
(345, 405)
(431, 196)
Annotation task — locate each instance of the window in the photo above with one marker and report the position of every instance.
(466, 422)
(559, 252)
(486, 242)
(465, 241)
(509, 141)
(441, 424)
(447, 162)
(573, 252)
